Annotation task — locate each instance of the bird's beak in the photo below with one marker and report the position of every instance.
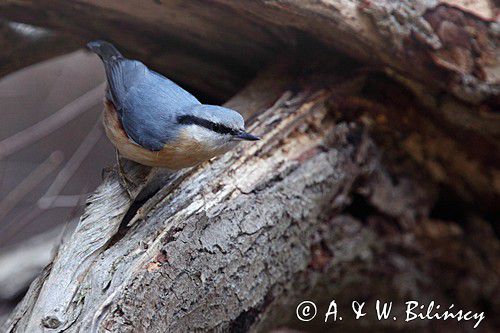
(246, 136)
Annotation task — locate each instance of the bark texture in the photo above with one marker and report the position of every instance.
(227, 245)
(373, 180)
(216, 47)
(447, 44)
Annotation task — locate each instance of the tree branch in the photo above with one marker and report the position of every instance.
(447, 45)
(222, 247)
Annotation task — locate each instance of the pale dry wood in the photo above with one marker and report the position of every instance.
(88, 240)
(226, 246)
(429, 46)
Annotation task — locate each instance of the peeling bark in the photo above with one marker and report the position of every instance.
(226, 245)
(373, 180)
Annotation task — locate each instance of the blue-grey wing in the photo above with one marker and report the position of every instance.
(147, 102)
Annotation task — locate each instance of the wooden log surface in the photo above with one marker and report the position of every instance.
(214, 48)
(447, 44)
(387, 168)
(228, 245)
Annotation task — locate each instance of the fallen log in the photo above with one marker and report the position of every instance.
(451, 45)
(227, 245)
(377, 176)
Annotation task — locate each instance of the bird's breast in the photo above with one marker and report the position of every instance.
(181, 153)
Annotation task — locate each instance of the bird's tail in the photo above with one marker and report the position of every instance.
(106, 51)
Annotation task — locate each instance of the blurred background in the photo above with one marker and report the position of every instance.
(52, 152)
(438, 85)
(52, 145)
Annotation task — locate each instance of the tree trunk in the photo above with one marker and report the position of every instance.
(443, 43)
(367, 184)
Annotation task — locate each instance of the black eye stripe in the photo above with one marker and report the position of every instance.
(193, 120)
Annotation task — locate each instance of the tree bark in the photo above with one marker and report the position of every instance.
(446, 44)
(225, 246)
(214, 48)
(373, 180)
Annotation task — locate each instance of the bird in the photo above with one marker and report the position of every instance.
(153, 121)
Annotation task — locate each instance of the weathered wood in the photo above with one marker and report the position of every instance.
(446, 44)
(229, 245)
(359, 174)
(200, 58)
(426, 45)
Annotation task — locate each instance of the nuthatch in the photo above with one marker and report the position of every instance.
(153, 121)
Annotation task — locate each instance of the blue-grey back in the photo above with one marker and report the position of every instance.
(148, 103)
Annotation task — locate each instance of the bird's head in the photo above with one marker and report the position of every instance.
(216, 127)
